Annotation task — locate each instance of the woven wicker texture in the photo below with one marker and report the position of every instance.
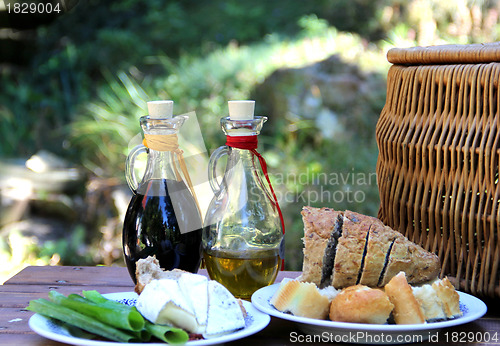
(438, 165)
(449, 54)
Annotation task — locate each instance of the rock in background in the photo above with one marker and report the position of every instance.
(343, 101)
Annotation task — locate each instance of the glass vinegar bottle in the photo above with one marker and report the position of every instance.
(243, 239)
(163, 218)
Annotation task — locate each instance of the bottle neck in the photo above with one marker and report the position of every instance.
(240, 127)
(165, 160)
(242, 148)
(161, 158)
(248, 142)
(246, 157)
(160, 165)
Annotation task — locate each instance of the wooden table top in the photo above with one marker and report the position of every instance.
(35, 282)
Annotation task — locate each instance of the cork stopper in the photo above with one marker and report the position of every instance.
(241, 110)
(161, 109)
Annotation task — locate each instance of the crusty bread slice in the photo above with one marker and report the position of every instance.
(419, 265)
(439, 300)
(318, 224)
(361, 304)
(148, 269)
(283, 296)
(301, 299)
(377, 252)
(348, 248)
(351, 249)
(331, 252)
(448, 297)
(407, 310)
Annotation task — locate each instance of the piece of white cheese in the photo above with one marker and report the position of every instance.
(162, 302)
(195, 289)
(224, 311)
(193, 303)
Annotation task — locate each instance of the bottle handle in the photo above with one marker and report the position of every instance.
(130, 175)
(212, 167)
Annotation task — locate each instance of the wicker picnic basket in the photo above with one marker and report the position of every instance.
(439, 157)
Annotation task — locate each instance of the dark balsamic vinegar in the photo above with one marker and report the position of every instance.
(162, 220)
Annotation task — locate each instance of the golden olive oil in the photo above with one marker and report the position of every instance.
(243, 273)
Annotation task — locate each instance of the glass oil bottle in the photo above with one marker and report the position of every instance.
(243, 235)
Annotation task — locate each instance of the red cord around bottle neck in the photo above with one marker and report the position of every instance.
(242, 142)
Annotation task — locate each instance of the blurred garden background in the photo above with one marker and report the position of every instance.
(74, 84)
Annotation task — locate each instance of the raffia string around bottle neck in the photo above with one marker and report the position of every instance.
(171, 143)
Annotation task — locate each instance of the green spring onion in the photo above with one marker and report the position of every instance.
(61, 313)
(104, 317)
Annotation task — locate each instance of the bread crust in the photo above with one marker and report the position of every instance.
(379, 243)
(301, 299)
(349, 256)
(419, 265)
(308, 302)
(283, 296)
(351, 249)
(148, 269)
(318, 224)
(406, 308)
(361, 304)
(367, 252)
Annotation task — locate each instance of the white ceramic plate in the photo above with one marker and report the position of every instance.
(329, 331)
(49, 328)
